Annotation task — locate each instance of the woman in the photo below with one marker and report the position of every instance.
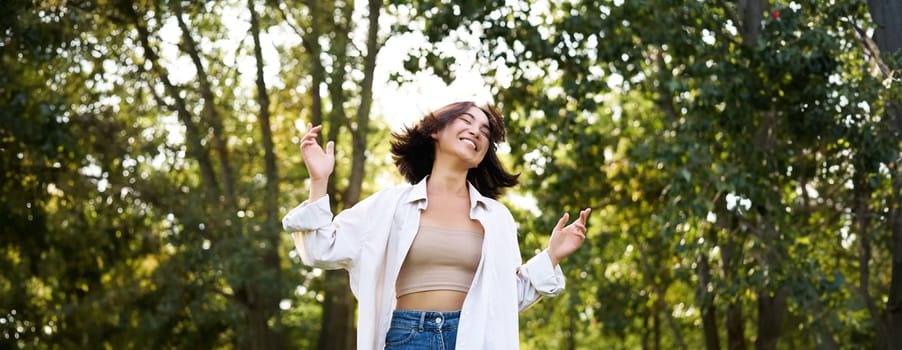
(434, 264)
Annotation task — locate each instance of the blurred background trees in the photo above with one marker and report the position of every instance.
(742, 158)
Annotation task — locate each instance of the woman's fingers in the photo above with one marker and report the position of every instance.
(584, 215)
(309, 138)
(330, 148)
(562, 222)
(579, 226)
(310, 127)
(313, 132)
(581, 223)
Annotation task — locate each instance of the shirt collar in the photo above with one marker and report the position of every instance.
(418, 194)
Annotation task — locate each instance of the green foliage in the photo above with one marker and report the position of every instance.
(729, 171)
(757, 155)
(114, 235)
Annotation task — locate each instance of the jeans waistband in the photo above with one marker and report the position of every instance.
(425, 319)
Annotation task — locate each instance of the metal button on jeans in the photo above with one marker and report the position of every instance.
(438, 320)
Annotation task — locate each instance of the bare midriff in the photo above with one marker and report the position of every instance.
(432, 300)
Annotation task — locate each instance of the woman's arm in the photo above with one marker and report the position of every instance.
(316, 234)
(542, 276)
(333, 243)
(538, 278)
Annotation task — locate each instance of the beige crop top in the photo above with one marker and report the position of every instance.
(440, 259)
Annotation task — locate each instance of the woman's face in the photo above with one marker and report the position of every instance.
(466, 137)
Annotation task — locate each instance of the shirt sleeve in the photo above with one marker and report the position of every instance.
(537, 278)
(326, 243)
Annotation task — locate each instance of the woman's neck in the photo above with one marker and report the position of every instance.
(444, 181)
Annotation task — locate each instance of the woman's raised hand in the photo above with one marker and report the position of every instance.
(319, 162)
(566, 240)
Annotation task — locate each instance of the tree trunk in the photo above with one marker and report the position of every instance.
(264, 336)
(894, 302)
(317, 72)
(735, 327)
(706, 304)
(337, 323)
(887, 14)
(862, 214)
(751, 12)
(338, 310)
(259, 335)
(772, 295)
(771, 309)
(771, 298)
(730, 255)
(271, 189)
(359, 134)
(735, 322)
(337, 118)
(337, 330)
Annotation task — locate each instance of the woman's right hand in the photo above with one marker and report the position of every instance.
(319, 162)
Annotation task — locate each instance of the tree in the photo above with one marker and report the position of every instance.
(743, 141)
(141, 172)
(337, 329)
(742, 158)
(889, 42)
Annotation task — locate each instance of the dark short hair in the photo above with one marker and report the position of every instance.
(413, 149)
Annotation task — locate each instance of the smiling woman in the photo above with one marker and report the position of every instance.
(434, 264)
(415, 149)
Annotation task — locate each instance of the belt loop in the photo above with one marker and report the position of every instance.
(422, 320)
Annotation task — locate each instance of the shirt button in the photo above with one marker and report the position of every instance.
(438, 320)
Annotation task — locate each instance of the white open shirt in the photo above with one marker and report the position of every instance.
(371, 241)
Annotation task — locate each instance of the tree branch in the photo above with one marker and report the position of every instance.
(210, 111)
(730, 14)
(870, 47)
(193, 137)
(359, 134)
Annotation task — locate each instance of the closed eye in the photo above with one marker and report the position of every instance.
(468, 118)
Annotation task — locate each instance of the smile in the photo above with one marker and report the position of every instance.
(472, 144)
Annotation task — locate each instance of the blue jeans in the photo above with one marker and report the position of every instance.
(422, 330)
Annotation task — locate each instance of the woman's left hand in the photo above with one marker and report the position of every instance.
(566, 240)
